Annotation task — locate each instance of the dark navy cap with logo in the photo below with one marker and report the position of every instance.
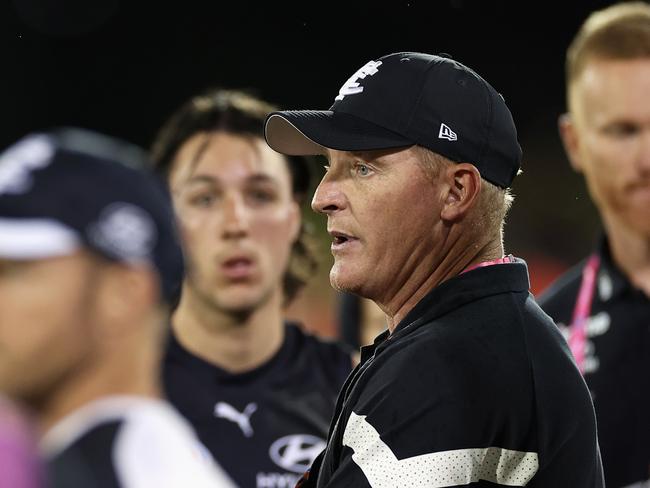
(404, 99)
(70, 188)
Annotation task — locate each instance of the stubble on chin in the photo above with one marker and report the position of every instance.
(240, 310)
(342, 282)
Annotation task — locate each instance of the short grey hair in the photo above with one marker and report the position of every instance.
(493, 202)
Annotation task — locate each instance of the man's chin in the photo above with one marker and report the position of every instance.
(344, 281)
(241, 304)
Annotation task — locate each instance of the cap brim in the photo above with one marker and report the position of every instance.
(309, 132)
(36, 239)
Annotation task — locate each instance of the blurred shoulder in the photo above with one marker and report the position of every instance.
(560, 296)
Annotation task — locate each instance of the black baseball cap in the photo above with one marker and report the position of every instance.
(404, 99)
(70, 188)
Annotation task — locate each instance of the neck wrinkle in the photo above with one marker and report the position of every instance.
(235, 343)
(459, 255)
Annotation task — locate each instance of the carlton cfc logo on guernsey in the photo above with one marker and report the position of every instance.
(351, 87)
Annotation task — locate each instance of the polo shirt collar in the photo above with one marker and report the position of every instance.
(458, 291)
(612, 283)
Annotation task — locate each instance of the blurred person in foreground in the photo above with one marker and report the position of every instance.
(259, 390)
(603, 304)
(89, 261)
(469, 384)
(20, 464)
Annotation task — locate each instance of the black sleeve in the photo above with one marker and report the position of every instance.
(87, 462)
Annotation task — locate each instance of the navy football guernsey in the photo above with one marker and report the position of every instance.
(470, 389)
(264, 426)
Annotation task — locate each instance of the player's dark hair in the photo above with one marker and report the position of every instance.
(239, 113)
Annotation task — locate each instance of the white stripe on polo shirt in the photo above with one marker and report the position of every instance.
(434, 470)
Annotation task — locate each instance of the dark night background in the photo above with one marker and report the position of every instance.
(122, 67)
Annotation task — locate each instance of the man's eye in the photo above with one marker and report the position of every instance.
(203, 200)
(262, 196)
(362, 169)
(621, 130)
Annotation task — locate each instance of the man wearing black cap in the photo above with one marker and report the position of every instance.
(471, 382)
(89, 262)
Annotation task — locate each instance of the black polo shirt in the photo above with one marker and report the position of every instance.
(267, 425)
(617, 364)
(470, 388)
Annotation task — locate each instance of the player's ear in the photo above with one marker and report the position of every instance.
(462, 185)
(125, 297)
(570, 139)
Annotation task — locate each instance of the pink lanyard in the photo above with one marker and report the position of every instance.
(578, 334)
(504, 260)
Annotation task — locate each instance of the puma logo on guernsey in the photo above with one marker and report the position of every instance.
(242, 419)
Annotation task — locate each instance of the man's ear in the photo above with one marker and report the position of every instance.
(125, 297)
(461, 191)
(571, 141)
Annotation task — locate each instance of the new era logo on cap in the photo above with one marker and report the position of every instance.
(446, 133)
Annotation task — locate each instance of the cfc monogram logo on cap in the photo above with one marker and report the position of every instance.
(351, 87)
(17, 163)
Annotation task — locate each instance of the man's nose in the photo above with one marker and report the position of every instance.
(328, 197)
(235, 217)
